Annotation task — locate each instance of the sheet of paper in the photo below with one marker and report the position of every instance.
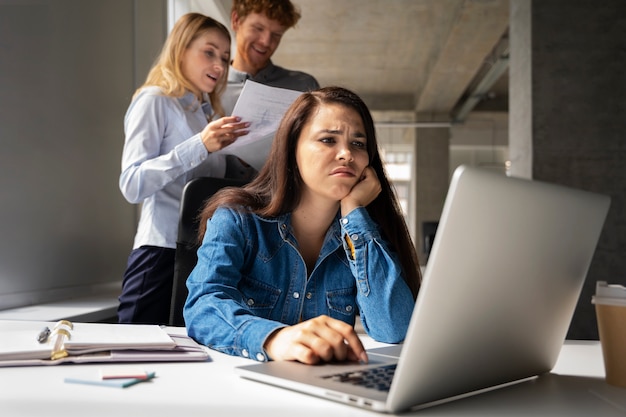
(88, 337)
(263, 106)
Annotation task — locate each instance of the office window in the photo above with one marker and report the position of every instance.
(397, 152)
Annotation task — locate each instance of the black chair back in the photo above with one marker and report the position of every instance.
(195, 195)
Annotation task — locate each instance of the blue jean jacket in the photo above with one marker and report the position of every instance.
(250, 280)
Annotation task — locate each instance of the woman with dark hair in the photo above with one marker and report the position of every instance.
(288, 261)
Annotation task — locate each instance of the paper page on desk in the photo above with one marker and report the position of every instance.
(91, 337)
(263, 106)
(19, 338)
(185, 350)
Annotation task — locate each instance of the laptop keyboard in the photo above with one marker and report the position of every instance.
(377, 378)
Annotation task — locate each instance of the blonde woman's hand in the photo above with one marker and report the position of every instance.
(320, 339)
(222, 132)
(363, 192)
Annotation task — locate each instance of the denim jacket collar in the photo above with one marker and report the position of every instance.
(331, 242)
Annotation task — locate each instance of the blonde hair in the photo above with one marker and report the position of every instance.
(167, 73)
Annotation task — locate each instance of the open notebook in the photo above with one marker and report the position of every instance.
(50, 343)
(507, 266)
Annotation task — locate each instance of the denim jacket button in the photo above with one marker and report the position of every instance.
(354, 237)
(296, 295)
(250, 302)
(344, 221)
(260, 357)
(309, 296)
(244, 353)
(348, 308)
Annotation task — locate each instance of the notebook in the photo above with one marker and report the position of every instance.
(505, 272)
(25, 343)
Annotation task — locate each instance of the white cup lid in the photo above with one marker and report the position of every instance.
(613, 294)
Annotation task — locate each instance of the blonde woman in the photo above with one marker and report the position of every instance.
(173, 126)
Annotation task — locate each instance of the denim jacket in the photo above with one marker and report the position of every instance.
(250, 280)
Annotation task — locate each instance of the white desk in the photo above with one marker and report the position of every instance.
(575, 388)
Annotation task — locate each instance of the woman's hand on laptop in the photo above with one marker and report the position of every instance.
(321, 339)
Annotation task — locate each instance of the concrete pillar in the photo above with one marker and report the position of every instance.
(520, 91)
(568, 116)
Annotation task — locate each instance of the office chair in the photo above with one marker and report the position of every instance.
(195, 194)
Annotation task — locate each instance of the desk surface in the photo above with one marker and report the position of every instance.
(576, 387)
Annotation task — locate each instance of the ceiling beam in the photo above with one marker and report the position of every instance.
(478, 28)
(496, 68)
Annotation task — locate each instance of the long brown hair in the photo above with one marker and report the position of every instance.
(167, 72)
(278, 187)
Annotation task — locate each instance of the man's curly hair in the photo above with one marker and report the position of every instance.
(283, 11)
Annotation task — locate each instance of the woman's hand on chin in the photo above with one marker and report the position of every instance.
(363, 192)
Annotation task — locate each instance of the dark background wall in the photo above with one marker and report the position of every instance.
(67, 71)
(579, 121)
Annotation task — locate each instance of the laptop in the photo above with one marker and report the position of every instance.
(505, 272)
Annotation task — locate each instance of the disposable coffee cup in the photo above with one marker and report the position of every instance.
(610, 302)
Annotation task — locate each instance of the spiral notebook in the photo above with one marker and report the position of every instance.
(50, 343)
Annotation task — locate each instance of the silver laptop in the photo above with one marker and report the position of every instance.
(505, 272)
